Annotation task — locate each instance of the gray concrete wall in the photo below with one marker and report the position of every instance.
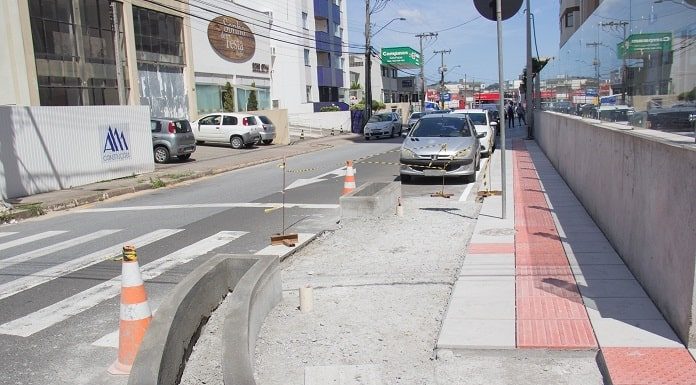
(642, 193)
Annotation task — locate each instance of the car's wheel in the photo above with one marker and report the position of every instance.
(405, 178)
(470, 178)
(236, 142)
(161, 154)
(199, 142)
(367, 138)
(267, 141)
(184, 157)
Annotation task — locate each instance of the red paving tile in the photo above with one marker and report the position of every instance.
(650, 366)
(491, 248)
(555, 334)
(550, 310)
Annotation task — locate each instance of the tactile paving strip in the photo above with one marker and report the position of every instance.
(550, 312)
(649, 366)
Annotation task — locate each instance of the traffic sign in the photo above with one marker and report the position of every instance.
(508, 8)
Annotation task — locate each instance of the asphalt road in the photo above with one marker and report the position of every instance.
(59, 287)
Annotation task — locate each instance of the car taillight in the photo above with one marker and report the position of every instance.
(245, 121)
(171, 128)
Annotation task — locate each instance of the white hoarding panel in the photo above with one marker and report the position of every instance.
(52, 148)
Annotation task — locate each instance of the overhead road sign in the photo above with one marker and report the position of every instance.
(401, 57)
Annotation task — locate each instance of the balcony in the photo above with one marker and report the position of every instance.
(328, 43)
(338, 77)
(335, 13)
(321, 9)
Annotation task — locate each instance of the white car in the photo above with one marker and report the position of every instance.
(484, 123)
(385, 124)
(239, 130)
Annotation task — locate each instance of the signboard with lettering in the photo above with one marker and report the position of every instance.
(639, 44)
(401, 57)
(232, 39)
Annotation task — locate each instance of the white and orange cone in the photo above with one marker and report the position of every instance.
(135, 313)
(349, 181)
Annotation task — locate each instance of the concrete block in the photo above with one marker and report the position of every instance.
(492, 289)
(372, 199)
(487, 271)
(489, 306)
(459, 333)
(488, 259)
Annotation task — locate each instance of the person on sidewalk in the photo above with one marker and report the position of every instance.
(510, 112)
(520, 115)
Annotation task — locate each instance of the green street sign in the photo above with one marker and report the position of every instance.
(401, 57)
(639, 44)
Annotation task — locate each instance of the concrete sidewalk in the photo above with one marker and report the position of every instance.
(556, 283)
(206, 161)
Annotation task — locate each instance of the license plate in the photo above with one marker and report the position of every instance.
(429, 172)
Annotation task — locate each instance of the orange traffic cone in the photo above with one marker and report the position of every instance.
(349, 181)
(135, 313)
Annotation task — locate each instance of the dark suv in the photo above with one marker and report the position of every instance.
(172, 137)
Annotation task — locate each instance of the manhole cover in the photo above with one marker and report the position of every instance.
(498, 232)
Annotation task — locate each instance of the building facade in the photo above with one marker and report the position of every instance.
(176, 56)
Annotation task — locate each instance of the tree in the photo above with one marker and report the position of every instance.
(252, 103)
(228, 98)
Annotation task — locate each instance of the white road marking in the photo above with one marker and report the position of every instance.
(319, 178)
(281, 250)
(13, 287)
(53, 248)
(7, 233)
(468, 188)
(31, 238)
(211, 205)
(60, 311)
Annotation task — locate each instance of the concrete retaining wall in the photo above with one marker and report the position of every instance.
(642, 193)
(253, 280)
(318, 121)
(280, 121)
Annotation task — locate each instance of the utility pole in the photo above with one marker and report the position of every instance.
(530, 79)
(442, 74)
(368, 63)
(422, 66)
(501, 107)
(465, 106)
(620, 24)
(595, 63)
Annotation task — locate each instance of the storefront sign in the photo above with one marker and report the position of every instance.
(259, 68)
(638, 44)
(232, 39)
(401, 57)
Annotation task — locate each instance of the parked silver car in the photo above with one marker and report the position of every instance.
(269, 132)
(171, 137)
(385, 124)
(441, 145)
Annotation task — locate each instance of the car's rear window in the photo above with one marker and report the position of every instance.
(265, 120)
(182, 126)
(252, 121)
(441, 127)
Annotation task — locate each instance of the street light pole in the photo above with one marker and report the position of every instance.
(368, 62)
(530, 78)
(498, 13)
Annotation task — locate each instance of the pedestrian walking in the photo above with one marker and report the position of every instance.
(520, 114)
(510, 112)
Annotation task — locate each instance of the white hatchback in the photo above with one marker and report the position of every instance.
(484, 123)
(239, 130)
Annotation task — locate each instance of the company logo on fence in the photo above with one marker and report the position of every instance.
(114, 143)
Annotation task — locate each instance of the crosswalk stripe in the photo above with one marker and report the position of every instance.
(7, 233)
(62, 310)
(53, 248)
(31, 238)
(13, 287)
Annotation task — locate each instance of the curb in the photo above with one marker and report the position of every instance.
(255, 286)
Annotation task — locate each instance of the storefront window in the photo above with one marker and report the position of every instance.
(209, 98)
(74, 52)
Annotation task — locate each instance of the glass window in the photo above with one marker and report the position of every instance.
(304, 20)
(210, 120)
(569, 19)
(208, 98)
(309, 94)
(441, 127)
(154, 126)
(229, 120)
(158, 36)
(306, 57)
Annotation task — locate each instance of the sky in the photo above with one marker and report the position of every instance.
(473, 45)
